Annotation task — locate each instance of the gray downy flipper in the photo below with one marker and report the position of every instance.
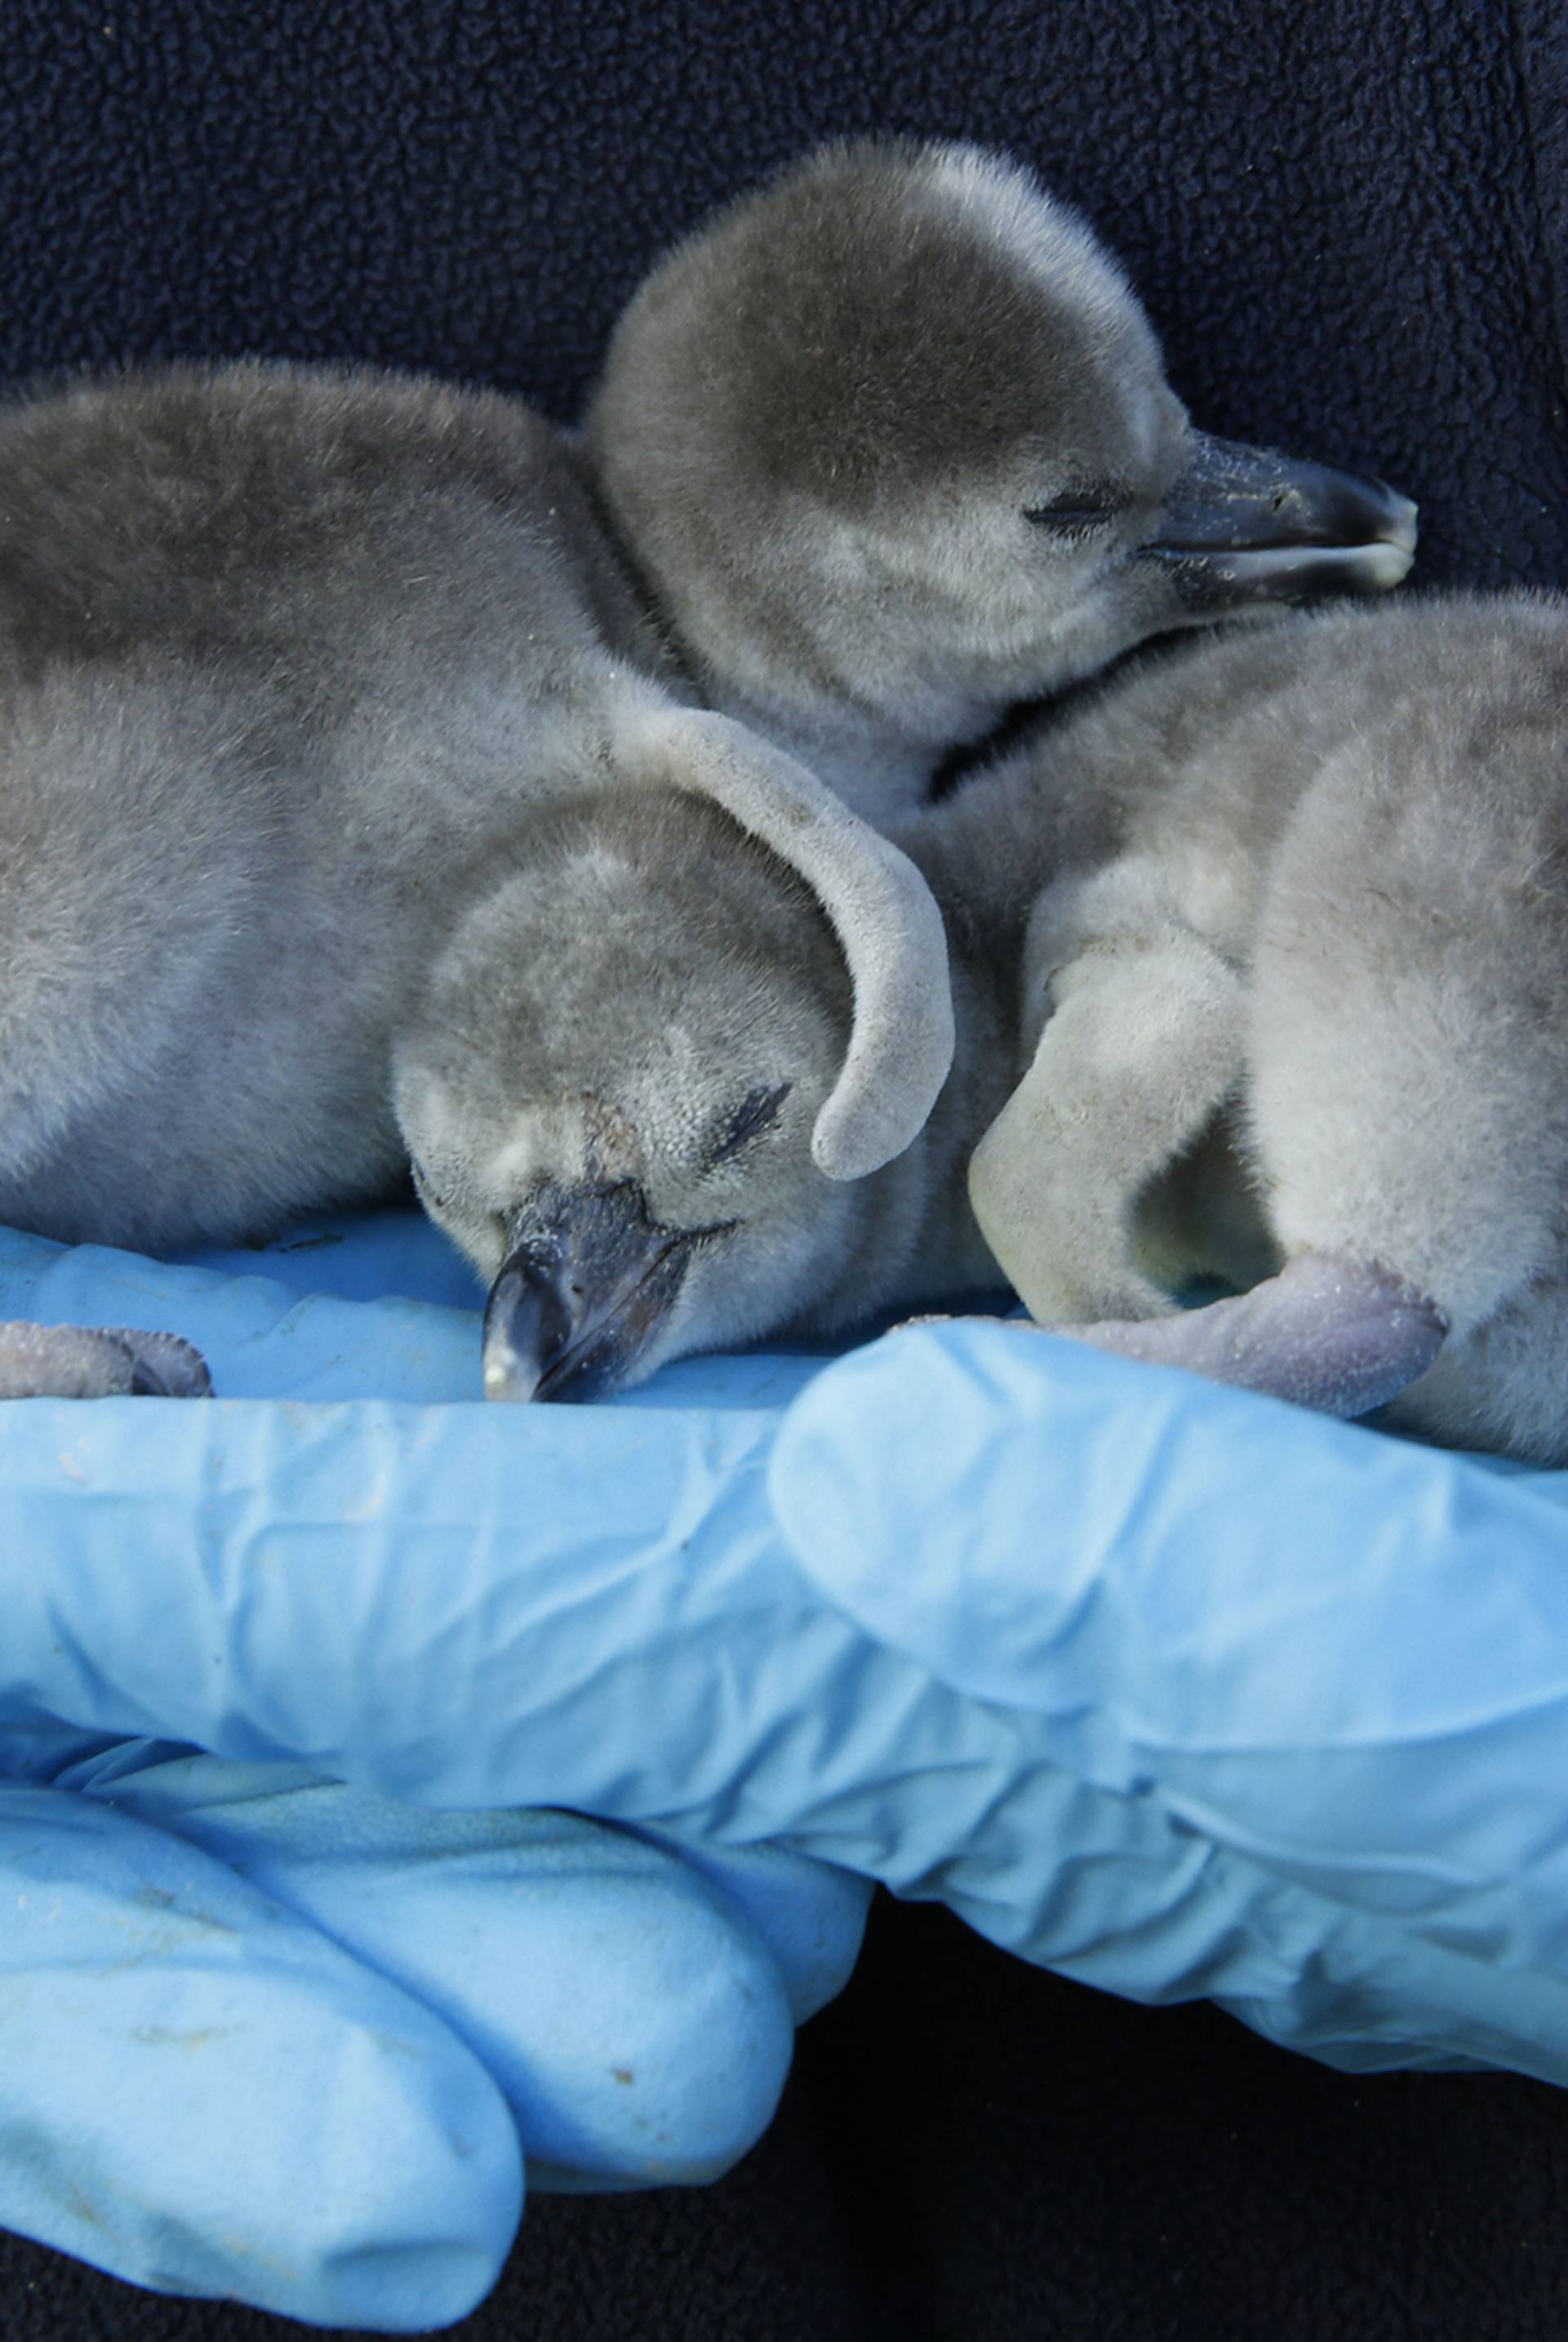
(1143, 1040)
(107, 1362)
(901, 1048)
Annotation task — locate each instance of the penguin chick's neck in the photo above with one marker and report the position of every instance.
(754, 656)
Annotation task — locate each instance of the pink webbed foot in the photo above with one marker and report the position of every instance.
(1340, 1335)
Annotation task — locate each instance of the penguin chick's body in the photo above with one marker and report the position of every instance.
(286, 657)
(1294, 999)
(1270, 944)
(281, 653)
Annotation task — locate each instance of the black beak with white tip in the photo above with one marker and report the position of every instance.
(589, 1280)
(1244, 525)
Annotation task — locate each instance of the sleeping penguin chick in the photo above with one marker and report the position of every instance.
(890, 444)
(1295, 1000)
(609, 1090)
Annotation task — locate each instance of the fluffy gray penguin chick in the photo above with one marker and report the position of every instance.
(1269, 943)
(892, 446)
(609, 1090)
(1294, 1012)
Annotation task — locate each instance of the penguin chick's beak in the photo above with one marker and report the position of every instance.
(1244, 526)
(588, 1282)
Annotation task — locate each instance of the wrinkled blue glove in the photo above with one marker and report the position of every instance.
(1174, 1688)
(277, 2036)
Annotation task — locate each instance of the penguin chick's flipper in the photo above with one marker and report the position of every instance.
(1143, 1044)
(1336, 1334)
(89, 1361)
(883, 915)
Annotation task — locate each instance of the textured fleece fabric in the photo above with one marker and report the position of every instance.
(1350, 220)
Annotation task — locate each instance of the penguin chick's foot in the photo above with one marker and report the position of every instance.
(1341, 1335)
(86, 1362)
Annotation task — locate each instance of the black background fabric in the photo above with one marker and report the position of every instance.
(1349, 221)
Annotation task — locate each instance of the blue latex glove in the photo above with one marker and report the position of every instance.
(1171, 1687)
(275, 2036)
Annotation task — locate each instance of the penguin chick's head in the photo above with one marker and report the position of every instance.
(894, 433)
(609, 1094)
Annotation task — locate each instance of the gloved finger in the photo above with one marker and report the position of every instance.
(202, 2093)
(462, 1605)
(1341, 1653)
(638, 2027)
(810, 1914)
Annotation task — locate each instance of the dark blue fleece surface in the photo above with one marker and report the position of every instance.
(1350, 220)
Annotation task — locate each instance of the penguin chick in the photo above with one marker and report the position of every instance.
(286, 657)
(890, 444)
(609, 1089)
(1294, 999)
